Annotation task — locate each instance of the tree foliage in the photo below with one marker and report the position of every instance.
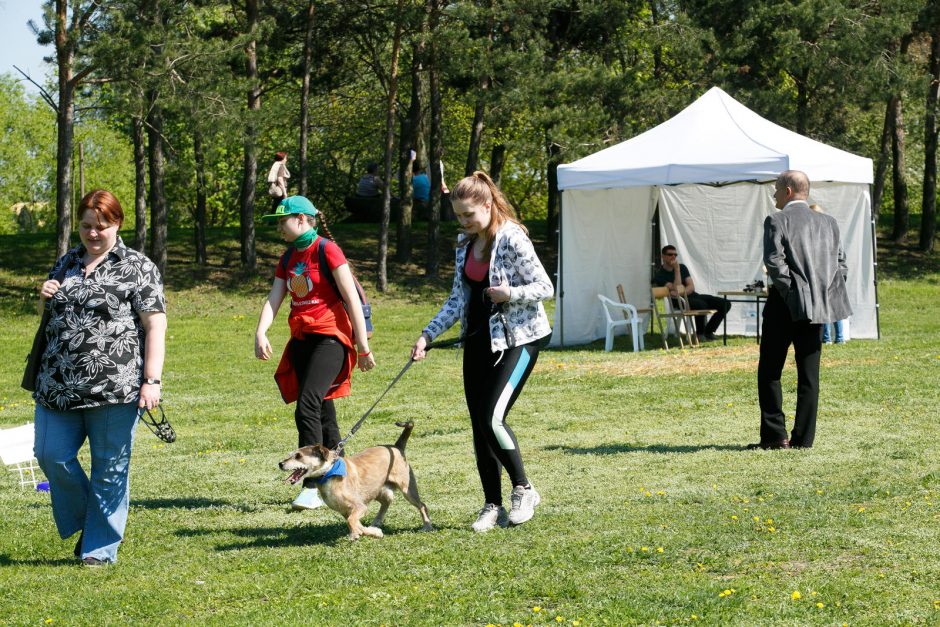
(523, 86)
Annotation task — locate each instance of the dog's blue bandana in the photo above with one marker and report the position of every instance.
(337, 470)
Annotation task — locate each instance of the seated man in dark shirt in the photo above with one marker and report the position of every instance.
(672, 272)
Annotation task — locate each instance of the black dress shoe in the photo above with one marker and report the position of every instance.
(93, 562)
(710, 337)
(769, 446)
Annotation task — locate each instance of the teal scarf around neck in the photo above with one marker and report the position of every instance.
(304, 241)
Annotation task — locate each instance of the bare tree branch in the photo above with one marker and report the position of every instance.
(42, 91)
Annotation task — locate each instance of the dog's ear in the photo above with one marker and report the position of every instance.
(322, 451)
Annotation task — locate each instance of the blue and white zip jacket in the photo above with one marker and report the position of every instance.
(512, 260)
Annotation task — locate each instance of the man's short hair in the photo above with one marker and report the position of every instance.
(667, 248)
(796, 180)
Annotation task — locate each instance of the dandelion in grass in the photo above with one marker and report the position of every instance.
(660, 549)
(734, 517)
(820, 604)
(517, 624)
(559, 619)
(537, 609)
(796, 596)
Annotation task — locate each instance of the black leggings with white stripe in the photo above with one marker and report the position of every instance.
(492, 383)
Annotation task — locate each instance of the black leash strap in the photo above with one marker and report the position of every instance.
(442, 344)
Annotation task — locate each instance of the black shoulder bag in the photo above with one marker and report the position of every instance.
(34, 359)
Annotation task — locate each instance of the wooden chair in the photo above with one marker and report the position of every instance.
(681, 316)
(631, 321)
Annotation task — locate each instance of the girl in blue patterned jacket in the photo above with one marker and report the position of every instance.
(499, 284)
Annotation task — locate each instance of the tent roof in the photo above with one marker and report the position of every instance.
(715, 139)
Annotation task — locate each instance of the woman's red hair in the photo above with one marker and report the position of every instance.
(104, 204)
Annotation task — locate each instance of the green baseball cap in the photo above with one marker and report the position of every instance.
(290, 206)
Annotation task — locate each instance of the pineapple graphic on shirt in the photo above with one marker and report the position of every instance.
(300, 284)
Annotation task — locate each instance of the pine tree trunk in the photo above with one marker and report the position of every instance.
(199, 156)
(390, 111)
(436, 149)
(497, 159)
(411, 137)
(157, 195)
(884, 155)
(899, 183)
(65, 118)
(250, 164)
(928, 225)
(305, 100)
(140, 184)
(476, 129)
(554, 159)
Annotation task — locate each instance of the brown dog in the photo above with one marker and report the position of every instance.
(370, 476)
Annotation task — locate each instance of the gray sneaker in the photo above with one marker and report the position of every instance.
(524, 501)
(490, 516)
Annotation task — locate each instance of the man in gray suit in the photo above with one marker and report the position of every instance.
(806, 267)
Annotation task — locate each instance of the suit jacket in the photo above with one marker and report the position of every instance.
(806, 264)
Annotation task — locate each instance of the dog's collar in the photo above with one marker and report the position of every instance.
(337, 470)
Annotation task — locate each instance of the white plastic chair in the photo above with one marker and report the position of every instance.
(626, 317)
(16, 449)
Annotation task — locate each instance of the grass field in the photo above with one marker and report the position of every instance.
(652, 513)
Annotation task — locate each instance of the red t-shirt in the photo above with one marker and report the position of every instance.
(315, 305)
(315, 308)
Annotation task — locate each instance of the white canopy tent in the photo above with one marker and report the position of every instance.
(710, 170)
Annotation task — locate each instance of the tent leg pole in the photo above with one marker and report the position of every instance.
(561, 270)
(874, 262)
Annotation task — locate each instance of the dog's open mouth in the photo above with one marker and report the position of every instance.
(296, 476)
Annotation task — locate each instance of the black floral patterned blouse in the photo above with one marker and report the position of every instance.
(95, 338)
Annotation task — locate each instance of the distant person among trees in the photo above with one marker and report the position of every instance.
(327, 339)
(671, 274)
(103, 363)
(277, 179)
(498, 287)
(370, 184)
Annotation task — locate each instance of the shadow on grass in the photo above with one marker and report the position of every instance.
(616, 449)
(315, 532)
(6, 560)
(189, 503)
(272, 537)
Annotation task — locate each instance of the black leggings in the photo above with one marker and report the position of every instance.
(491, 389)
(317, 359)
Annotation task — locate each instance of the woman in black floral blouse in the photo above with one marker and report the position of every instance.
(104, 359)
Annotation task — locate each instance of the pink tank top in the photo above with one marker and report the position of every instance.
(476, 269)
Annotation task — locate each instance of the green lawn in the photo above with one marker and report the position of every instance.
(652, 510)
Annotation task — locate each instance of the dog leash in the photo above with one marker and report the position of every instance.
(439, 344)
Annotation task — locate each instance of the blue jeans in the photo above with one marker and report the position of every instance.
(97, 506)
(839, 336)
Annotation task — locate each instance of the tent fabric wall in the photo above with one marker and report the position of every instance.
(719, 235)
(605, 240)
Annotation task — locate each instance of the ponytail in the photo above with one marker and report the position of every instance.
(479, 188)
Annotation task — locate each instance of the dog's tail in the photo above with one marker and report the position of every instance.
(405, 434)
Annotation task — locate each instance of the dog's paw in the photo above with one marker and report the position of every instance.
(374, 532)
